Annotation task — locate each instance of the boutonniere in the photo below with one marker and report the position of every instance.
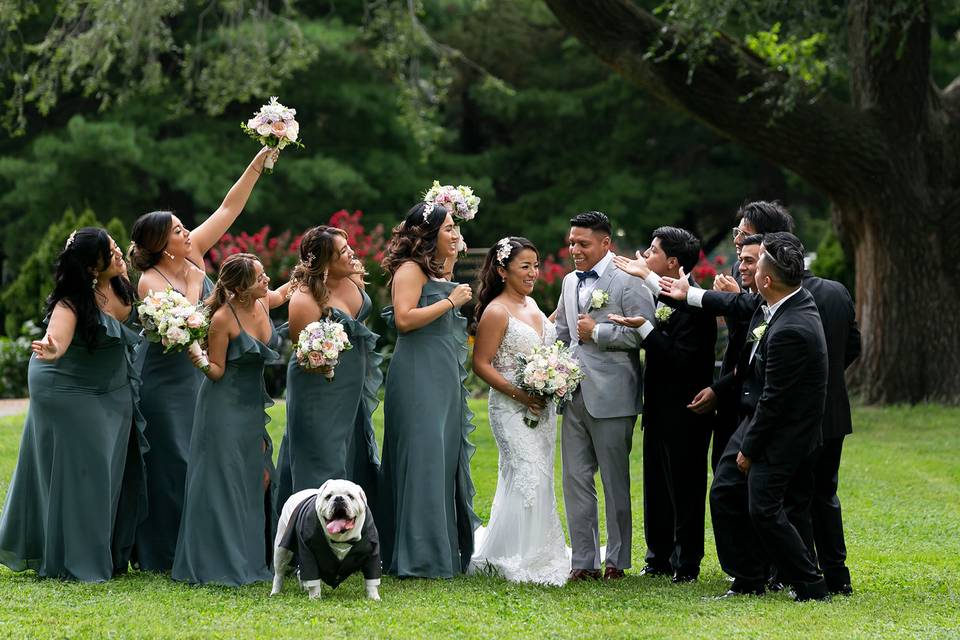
(598, 298)
(663, 313)
(757, 333)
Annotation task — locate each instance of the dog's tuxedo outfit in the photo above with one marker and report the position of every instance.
(319, 559)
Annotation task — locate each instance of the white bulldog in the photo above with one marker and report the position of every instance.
(327, 534)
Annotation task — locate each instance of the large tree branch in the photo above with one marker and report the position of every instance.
(825, 141)
(889, 44)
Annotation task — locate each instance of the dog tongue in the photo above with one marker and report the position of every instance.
(339, 526)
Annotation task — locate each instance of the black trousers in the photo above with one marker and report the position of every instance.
(674, 494)
(819, 519)
(724, 424)
(750, 522)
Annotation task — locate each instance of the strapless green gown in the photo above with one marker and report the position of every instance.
(330, 423)
(228, 521)
(425, 515)
(78, 492)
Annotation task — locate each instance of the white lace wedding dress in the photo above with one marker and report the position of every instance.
(523, 542)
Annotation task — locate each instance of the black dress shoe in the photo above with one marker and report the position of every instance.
(810, 591)
(841, 590)
(775, 585)
(680, 578)
(740, 592)
(650, 570)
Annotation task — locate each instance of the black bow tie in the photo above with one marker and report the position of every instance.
(583, 275)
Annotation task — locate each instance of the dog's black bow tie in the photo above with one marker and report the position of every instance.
(583, 275)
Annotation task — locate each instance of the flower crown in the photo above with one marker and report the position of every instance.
(70, 239)
(504, 248)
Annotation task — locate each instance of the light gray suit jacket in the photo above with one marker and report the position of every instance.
(613, 387)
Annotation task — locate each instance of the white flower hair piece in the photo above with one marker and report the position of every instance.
(504, 248)
(70, 239)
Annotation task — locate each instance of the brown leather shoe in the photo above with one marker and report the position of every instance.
(579, 575)
(612, 573)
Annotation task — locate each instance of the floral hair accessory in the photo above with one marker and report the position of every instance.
(70, 240)
(504, 248)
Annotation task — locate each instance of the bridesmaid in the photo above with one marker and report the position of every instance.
(329, 423)
(226, 531)
(76, 494)
(169, 255)
(426, 517)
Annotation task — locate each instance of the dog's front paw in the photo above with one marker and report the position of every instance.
(373, 593)
(277, 585)
(314, 592)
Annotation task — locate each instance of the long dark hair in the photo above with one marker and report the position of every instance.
(491, 283)
(415, 240)
(317, 250)
(148, 239)
(237, 274)
(87, 248)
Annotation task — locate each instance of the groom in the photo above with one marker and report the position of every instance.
(597, 431)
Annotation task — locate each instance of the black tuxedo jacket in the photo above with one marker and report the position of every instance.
(790, 367)
(678, 364)
(315, 558)
(736, 330)
(835, 306)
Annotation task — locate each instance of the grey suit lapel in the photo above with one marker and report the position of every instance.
(603, 284)
(571, 305)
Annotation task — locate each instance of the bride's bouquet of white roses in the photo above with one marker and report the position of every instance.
(459, 202)
(549, 371)
(273, 126)
(320, 344)
(169, 318)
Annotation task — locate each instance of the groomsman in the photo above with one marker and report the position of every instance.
(679, 347)
(753, 218)
(820, 522)
(597, 428)
(772, 452)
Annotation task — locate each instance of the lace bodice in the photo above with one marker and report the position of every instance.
(520, 338)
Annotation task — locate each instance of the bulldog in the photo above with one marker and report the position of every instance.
(327, 534)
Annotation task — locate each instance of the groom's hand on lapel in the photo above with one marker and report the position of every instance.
(585, 326)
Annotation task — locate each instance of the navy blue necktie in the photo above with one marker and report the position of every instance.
(583, 275)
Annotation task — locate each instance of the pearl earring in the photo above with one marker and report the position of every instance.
(168, 254)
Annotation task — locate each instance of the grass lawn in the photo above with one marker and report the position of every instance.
(900, 486)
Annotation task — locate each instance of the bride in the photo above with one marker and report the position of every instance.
(523, 541)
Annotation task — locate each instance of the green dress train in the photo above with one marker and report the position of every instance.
(78, 492)
(425, 514)
(168, 401)
(228, 521)
(329, 423)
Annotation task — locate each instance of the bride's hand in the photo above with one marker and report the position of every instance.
(536, 404)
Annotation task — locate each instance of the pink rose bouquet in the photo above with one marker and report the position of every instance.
(273, 126)
(549, 371)
(320, 344)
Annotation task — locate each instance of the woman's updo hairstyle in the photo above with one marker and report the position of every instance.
(500, 255)
(317, 250)
(415, 240)
(237, 274)
(149, 238)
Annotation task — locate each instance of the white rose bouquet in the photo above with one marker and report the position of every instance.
(549, 371)
(273, 126)
(320, 344)
(169, 318)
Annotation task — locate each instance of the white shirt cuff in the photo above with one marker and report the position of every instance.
(695, 297)
(645, 329)
(596, 332)
(652, 282)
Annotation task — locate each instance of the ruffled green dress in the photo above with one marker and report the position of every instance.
(168, 401)
(425, 516)
(78, 492)
(330, 423)
(228, 521)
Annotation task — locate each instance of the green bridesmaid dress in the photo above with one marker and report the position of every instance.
(168, 401)
(329, 423)
(425, 515)
(77, 493)
(228, 521)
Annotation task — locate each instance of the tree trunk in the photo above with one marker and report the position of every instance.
(889, 162)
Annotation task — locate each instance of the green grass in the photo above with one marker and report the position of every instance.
(900, 486)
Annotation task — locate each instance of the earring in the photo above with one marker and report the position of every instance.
(504, 278)
(93, 285)
(168, 254)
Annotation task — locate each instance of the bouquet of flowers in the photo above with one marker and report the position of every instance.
(169, 318)
(273, 126)
(549, 371)
(320, 345)
(459, 201)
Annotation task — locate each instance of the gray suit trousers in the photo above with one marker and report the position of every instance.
(588, 444)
